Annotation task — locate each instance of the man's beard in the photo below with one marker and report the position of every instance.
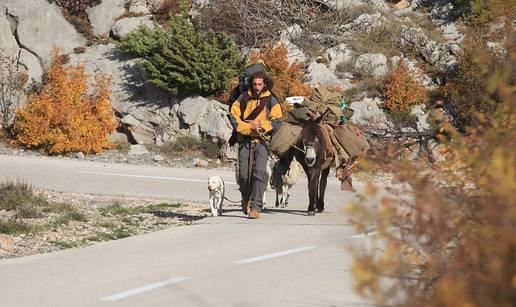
(255, 94)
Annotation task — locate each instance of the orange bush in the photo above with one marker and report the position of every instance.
(286, 77)
(402, 91)
(445, 237)
(63, 117)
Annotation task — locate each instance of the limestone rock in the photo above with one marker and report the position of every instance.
(126, 25)
(36, 19)
(103, 16)
(137, 150)
(321, 74)
(374, 64)
(31, 63)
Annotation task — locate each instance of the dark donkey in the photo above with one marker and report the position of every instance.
(316, 161)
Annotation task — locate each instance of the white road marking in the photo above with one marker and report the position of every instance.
(149, 287)
(274, 255)
(151, 177)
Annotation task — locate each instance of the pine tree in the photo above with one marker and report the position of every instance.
(183, 60)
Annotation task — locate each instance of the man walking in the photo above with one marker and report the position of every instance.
(253, 115)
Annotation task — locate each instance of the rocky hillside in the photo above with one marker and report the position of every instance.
(355, 51)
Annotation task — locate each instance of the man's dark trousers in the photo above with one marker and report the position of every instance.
(254, 189)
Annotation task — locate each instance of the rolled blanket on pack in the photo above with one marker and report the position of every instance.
(286, 136)
(352, 139)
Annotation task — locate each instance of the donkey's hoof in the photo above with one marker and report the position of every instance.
(320, 210)
(311, 213)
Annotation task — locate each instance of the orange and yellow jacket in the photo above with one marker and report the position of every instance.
(270, 113)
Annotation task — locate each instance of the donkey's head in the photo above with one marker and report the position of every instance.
(312, 142)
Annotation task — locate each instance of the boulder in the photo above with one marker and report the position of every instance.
(80, 155)
(321, 74)
(422, 116)
(215, 123)
(192, 109)
(103, 16)
(365, 23)
(126, 25)
(203, 117)
(451, 33)
(373, 64)
(139, 7)
(403, 4)
(141, 132)
(294, 53)
(36, 19)
(337, 55)
(369, 115)
(116, 137)
(340, 4)
(128, 87)
(31, 63)
(197, 162)
(8, 44)
(139, 149)
(432, 52)
(6, 243)
(442, 12)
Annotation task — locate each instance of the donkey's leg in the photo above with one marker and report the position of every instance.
(279, 195)
(313, 190)
(322, 190)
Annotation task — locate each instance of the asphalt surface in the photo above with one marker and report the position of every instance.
(285, 258)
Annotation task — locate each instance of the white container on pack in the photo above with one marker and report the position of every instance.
(293, 100)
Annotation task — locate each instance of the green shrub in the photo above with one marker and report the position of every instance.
(467, 90)
(15, 226)
(20, 197)
(117, 209)
(181, 59)
(66, 212)
(484, 11)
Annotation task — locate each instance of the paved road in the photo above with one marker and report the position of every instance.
(283, 259)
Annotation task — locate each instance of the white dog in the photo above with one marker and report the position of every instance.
(217, 189)
(284, 182)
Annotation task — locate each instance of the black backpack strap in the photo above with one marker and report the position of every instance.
(264, 102)
(254, 114)
(243, 104)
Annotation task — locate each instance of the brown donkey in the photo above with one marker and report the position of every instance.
(315, 155)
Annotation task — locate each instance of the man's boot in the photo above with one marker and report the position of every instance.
(254, 213)
(246, 206)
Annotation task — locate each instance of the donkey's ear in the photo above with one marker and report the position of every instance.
(319, 119)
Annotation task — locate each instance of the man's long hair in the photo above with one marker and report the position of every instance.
(266, 79)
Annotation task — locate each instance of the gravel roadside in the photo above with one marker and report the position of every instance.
(93, 218)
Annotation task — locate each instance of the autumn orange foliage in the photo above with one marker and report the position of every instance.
(445, 237)
(64, 117)
(286, 77)
(402, 90)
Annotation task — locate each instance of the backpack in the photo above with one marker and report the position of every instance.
(244, 81)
